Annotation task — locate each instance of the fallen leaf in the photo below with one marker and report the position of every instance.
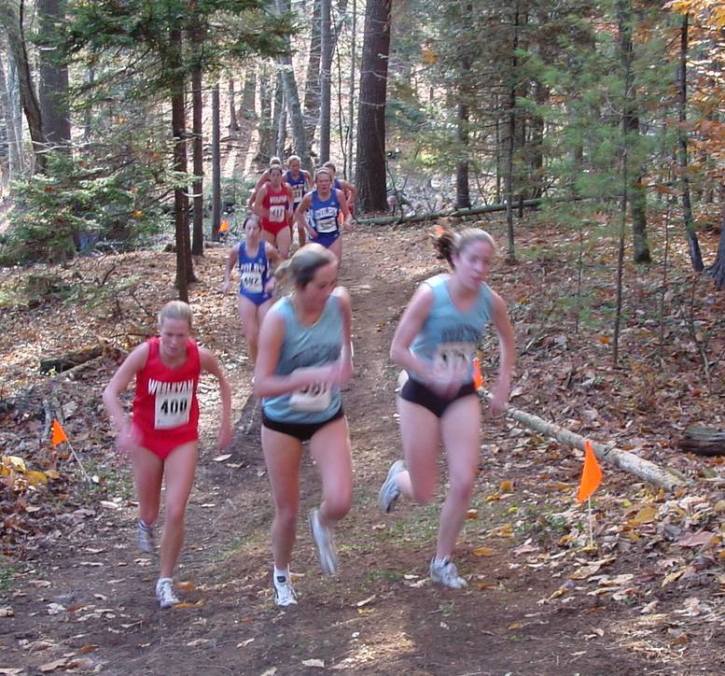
(89, 648)
(483, 551)
(472, 514)
(697, 539)
(320, 664)
(364, 602)
(185, 586)
(222, 458)
(506, 486)
(645, 515)
(515, 625)
(52, 666)
(6, 611)
(187, 604)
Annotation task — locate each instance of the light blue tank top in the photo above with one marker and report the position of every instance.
(307, 346)
(449, 336)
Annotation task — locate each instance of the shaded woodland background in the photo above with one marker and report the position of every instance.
(119, 120)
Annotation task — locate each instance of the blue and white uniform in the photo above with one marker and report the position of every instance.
(306, 347)
(253, 273)
(298, 186)
(324, 216)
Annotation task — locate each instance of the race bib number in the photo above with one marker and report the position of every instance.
(252, 281)
(326, 220)
(297, 193)
(315, 397)
(276, 214)
(172, 410)
(454, 359)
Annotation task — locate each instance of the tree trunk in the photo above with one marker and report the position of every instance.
(463, 193)
(249, 93)
(90, 78)
(233, 123)
(690, 232)
(12, 138)
(216, 165)
(325, 79)
(511, 140)
(53, 82)
(370, 152)
(196, 33)
(717, 269)
(350, 139)
(12, 21)
(629, 462)
(266, 127)
(184, 269)
(541, 96)
(311, 104)
(279, 118)
(630, 129)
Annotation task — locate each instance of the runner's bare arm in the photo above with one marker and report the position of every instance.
(259, 202)
(231, 262)
(346, 365)
(210, 364)
(344, 208)
(120, 381)
(507, 346)
(410, 324)
(269, 384)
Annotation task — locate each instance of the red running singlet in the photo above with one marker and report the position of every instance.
(276, 202)
(165, 408)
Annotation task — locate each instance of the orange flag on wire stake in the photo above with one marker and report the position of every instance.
(591, 473)
(478, 380)
(57, 433)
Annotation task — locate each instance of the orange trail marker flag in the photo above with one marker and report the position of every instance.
(591, 473)
(478, 380)
(57, 434)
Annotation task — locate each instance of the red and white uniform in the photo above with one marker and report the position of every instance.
(276, 204)
(165, 408)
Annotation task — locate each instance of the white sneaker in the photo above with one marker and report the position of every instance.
(145, 537)
(389, 491)
(325, 546)
(165, 592)
(284, 592)
(445, 573)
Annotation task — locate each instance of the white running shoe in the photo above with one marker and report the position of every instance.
(284, 592)
(145, 537)
(325, 546)
(445, 573)
(165, 592)
(389, 491)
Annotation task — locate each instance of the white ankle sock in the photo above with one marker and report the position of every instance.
(281, 573)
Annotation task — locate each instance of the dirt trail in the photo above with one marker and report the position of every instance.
(380, 616)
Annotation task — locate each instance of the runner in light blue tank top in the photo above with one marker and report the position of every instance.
(304, 347)
(305, 357)
(435, 343)
(449, 336)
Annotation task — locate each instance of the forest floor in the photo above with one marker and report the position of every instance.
(76, 596)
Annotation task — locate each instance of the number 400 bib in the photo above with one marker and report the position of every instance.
(172, 409)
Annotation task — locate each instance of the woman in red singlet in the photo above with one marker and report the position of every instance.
(274, 208)
(162, 436)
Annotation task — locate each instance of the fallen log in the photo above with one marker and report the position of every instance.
(70, 359)
(703, 441)
(464, 213)
(629, 462)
